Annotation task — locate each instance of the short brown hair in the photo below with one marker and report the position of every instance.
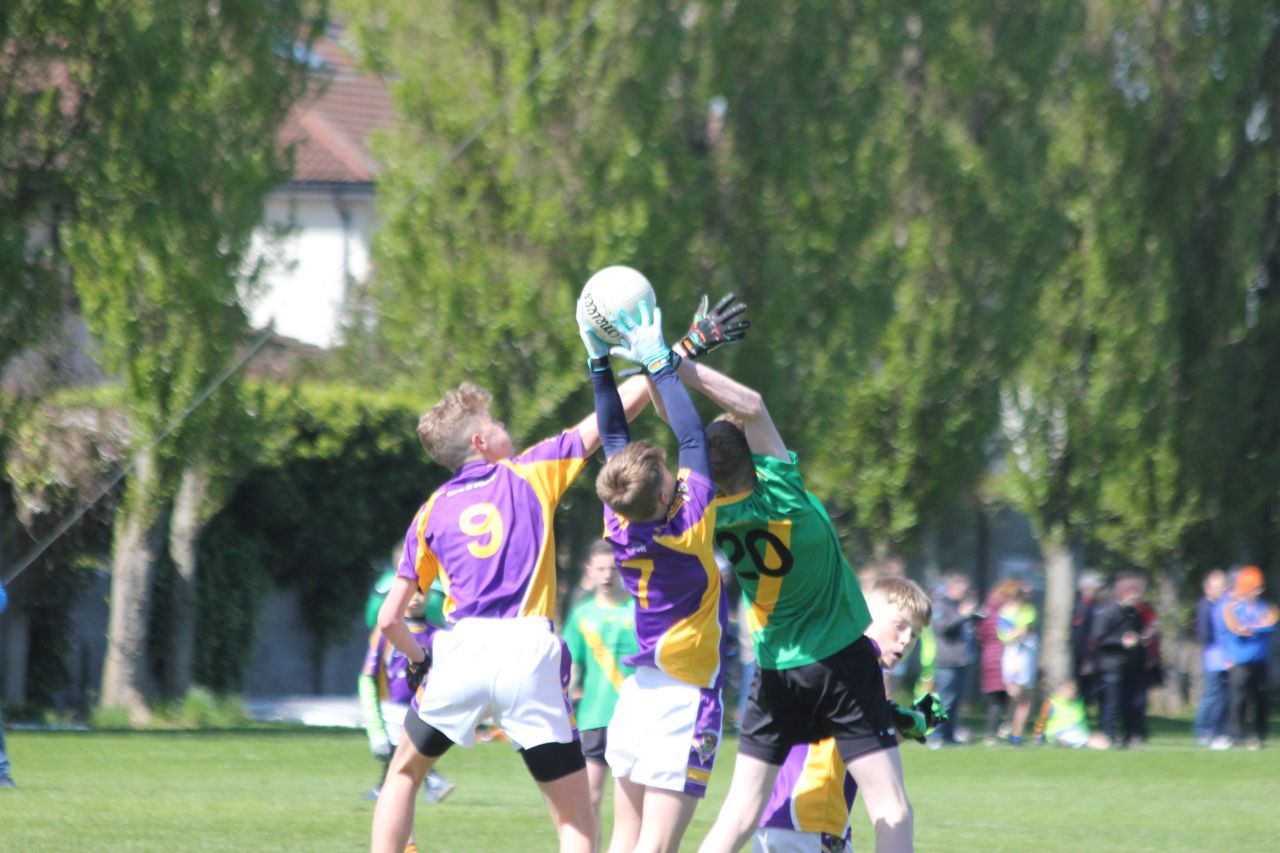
(732, 468)
(446, 429)
(599, 547)
(631, 480)
(907, 595)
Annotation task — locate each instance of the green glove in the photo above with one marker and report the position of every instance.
(935, 713)
(909, 722)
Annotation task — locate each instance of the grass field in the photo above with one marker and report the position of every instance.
(294, 789)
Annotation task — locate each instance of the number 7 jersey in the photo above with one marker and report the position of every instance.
(800, 596)
(487, 533)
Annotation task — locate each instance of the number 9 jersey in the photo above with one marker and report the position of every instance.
(487, 533)
(801, 598)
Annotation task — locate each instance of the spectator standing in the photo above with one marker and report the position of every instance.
(6, 781)
(1251, 622)
(1016, 628)
(1121, 661)
(1153, 661)
(990, 655)
(954, 611)
(1211, 715)
(1090, 589)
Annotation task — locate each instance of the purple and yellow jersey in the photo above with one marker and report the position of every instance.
(813, 792)
(487, 533)
(388, 668)
(669, 568)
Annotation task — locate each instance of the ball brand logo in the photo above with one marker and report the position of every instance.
(598, 316)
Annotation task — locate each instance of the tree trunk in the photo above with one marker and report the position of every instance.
(124, 673)
(185, 526)
(1059, 599)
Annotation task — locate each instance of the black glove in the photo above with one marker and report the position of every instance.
(711, 328)
(417, 672)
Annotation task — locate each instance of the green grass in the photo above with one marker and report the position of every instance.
(301, 790)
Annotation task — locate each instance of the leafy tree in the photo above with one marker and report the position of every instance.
(150, 150)
(866, 176)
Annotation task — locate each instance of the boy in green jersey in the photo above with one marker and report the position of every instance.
(1063, 720)
(599, 632)
(818, 676)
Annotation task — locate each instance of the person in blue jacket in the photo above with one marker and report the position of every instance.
(6, 780)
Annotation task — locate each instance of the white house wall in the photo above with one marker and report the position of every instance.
(305, 287)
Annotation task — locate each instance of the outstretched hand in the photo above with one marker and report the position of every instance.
(642, 342)
(715, 326)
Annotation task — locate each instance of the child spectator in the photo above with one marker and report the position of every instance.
(1251, 622)
(1211, 715)
(1063, 720)
(1016, 629)
(991, 656)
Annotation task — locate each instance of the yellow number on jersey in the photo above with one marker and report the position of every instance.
(646, 571)
(482, 519)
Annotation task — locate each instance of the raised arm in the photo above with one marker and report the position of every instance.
(684, 421)
(712, 328)
(615, 406)
(646, 347)
(744, 403)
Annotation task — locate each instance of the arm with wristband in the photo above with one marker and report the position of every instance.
(644, 344)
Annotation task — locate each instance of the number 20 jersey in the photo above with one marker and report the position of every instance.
(801, 598)
(487, 533)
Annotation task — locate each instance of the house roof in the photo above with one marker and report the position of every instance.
(332, 130)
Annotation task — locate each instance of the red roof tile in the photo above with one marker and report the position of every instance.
(332, 130)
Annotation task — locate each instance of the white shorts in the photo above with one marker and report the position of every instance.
(513, 670)
(1018, 664)
(1074, 737)
(773, 839)
(665, 732)
(393, 715)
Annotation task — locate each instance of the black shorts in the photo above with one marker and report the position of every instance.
(594, 742)
(841, 696)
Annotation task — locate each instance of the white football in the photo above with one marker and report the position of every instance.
(609, 292)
